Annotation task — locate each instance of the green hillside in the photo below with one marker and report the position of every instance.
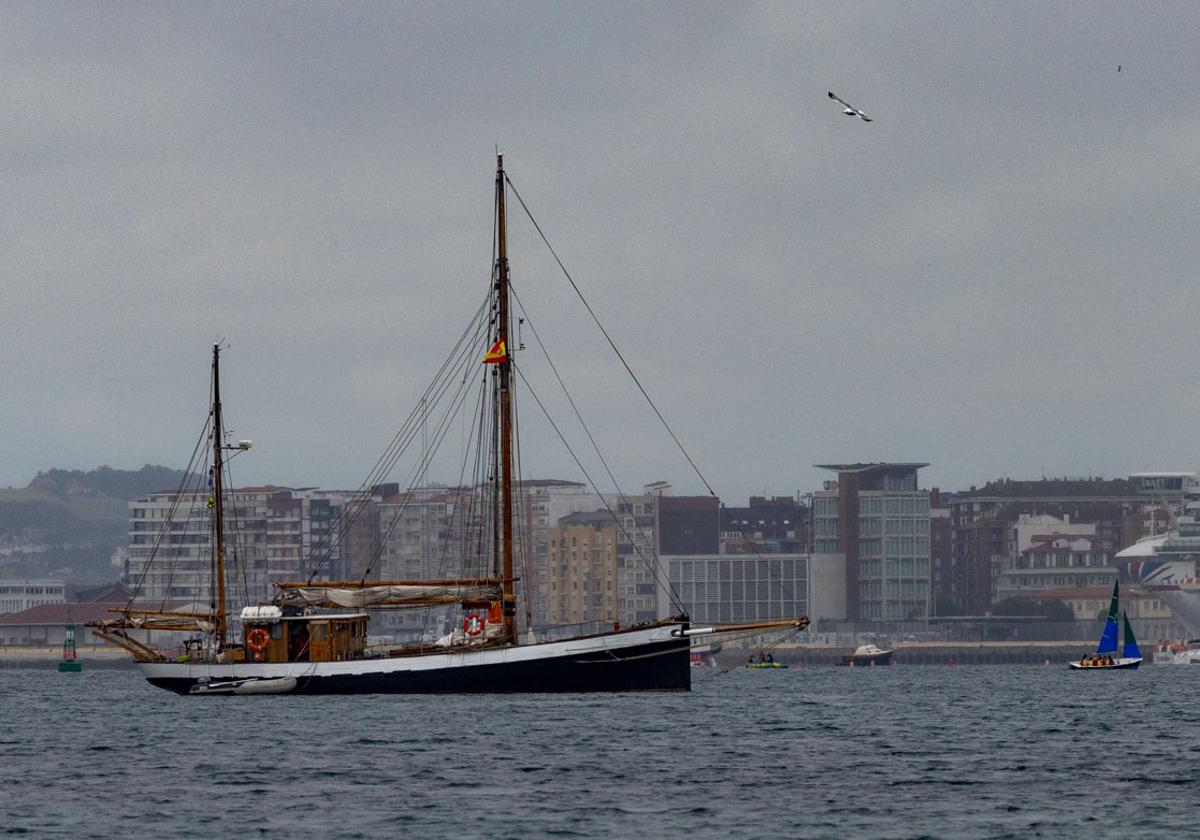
(78, 517)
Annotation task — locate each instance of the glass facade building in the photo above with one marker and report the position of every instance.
(740, 587)
(876, 515)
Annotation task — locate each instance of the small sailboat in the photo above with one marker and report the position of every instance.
(1104, 659)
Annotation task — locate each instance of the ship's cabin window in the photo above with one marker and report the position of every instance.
(320, 630)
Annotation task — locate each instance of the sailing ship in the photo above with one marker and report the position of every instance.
(312, 637)
(1104, 659)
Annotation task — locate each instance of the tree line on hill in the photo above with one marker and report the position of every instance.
(66, 523)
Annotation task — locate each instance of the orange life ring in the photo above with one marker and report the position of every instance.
(473, 624)
(258, 639)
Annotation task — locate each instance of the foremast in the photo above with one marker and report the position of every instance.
(213, 623)
(505, 554)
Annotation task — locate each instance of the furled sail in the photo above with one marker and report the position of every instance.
(415, 593)
(131, 619)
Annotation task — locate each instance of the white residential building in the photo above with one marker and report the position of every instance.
(18, 595)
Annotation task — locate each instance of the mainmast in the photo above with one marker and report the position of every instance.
(217, 498)
(505, 364)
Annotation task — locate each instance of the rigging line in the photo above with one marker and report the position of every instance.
(616, 660)
(762, 560)
(404, 437)
(661, 579)
(596, 447)
(163, 534)
(465, 510)
(239, 540)
(438, 390)
(608, 338)
(613, 345)
(524, 537)
(358, 501)
(458, 515)
(441, 432)
(171, 513)
(413, 418)
(439, 436)
(165, 527)
(790, 634)
(567, 394)
(474, 525)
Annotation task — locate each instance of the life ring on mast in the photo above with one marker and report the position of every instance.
(473, 624)
(258, 639)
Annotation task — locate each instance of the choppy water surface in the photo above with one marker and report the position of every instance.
(990, 751)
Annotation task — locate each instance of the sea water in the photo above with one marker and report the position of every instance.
(894, 752)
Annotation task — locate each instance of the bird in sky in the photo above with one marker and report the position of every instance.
(848, 109)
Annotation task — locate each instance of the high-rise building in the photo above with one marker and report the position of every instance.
(582, 569)
(271, 534)
(877, 517)
(637, 558)
(175, 531)
(538, 505)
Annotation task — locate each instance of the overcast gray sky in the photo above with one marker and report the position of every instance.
(997, 275)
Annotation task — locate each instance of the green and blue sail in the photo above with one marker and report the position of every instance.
(1108, 639)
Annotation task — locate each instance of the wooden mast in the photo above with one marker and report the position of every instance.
(506, 501)
(218, 503)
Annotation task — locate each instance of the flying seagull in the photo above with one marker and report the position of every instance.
(849, 110)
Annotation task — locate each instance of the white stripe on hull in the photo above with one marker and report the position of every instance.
(452, 659)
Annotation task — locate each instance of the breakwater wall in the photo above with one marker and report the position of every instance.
(941, 653)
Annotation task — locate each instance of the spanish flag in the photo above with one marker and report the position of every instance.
(498, 353)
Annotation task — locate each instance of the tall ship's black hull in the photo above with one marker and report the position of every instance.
(640, 660)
